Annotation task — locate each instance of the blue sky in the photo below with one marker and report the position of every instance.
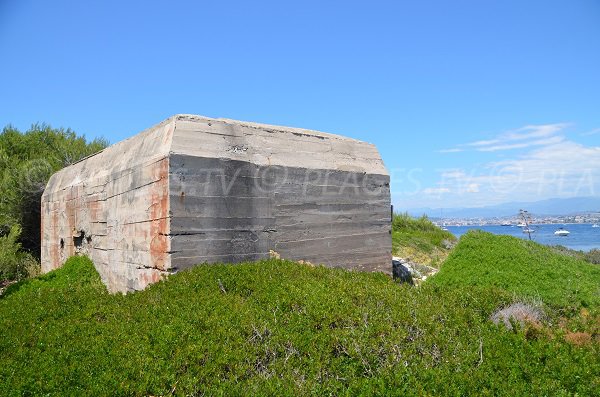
(469, 102)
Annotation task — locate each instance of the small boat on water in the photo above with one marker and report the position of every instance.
(526, 231)
(506, 224)
(595, 225)
(522, 224)
(561, 232)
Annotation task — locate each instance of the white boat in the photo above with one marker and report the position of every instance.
(561, 232)
(506, 224)
(595, 225)
(522, 224)
(528, 231)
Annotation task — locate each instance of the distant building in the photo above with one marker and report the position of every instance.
(195, 189)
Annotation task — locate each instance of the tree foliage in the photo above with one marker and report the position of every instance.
(27, 160)
(15, 264)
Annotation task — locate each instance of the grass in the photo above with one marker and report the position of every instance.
(280, 328)
(420, 240)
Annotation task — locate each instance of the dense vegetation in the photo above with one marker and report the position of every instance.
(27, 160)
(281, 328)
(522, 267)
(420, 240)
(592, 256)
(15, 264)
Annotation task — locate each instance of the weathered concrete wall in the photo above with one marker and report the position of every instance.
(114, 207)
(194, 189)
(241, 189)
(229, 210)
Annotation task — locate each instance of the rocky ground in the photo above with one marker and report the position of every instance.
(406, 270)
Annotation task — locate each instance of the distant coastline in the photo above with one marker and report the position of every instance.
(583, 219)
(582, 236)
(550, 208)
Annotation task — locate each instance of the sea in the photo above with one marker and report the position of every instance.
(582, 237)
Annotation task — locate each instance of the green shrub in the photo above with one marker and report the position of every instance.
(523, 267)
(420, 228)
(274, 328)
(420, 239)
(423, 224)
(27, 160)
(14, 263)
(593, 256)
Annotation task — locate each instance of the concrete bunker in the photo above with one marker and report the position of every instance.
(194, 189)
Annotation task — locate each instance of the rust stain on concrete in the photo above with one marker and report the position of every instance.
(135, 233)
(159, 212)
(147, 278)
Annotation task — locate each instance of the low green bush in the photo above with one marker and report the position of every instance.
(593, 256)
(275, 328)
(420, 239)
(522, 267)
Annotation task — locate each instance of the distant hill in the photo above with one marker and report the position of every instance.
(555, 206)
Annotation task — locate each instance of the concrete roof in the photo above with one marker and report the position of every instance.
(200, 136)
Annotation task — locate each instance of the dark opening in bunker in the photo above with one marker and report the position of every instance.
(62, 244)
(78, 240)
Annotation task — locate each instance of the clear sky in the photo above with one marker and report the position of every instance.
(470, 102)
